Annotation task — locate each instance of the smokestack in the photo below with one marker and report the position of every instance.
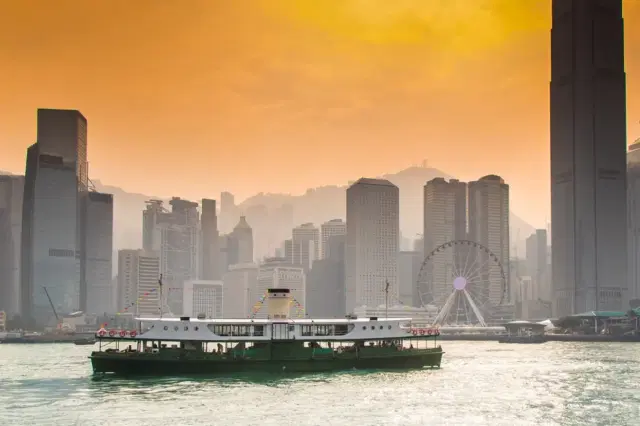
(278, 301)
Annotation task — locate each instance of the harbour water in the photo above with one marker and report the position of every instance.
(480, 383)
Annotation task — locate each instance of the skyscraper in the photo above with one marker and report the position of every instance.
(445, 219)
(56, 183)
(489, 226)
(304, 246)
(588, 150)
(11, 192)
(633, 223)
(537, 267)
(138, 288)
(243, 236)
(99, 251)
(209, 245)
(334, 227)
(173, 236)
(373, 231)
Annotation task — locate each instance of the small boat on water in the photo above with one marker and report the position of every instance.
(185, 345)
(84, 342)
(524, 332)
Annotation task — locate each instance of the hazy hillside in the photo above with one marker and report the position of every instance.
(316, 205)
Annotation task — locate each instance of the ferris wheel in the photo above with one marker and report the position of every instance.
(463, 281)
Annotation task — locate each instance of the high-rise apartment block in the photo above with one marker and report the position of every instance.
(588, 156)
(173, 236)
(138, 287)
(373, 236)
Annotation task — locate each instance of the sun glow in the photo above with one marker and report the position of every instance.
(452, 25)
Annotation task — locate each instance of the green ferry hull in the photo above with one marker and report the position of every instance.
(148, 364)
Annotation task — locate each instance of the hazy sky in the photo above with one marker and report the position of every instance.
(191, 97)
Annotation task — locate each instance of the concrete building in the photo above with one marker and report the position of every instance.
(489, 226)
(633, 220)
(203, 297)
(304, 246)
(537, 266)
(243, 236)
(373, 236)
(409, 263)
(11, 192)
(229, 212)
(300, 253)
(334, 227)
(210, 250)
(278, 273)
(236, 247)
(588, 157)
(445, 220)
(240, 290)
(99, 249)
(138, 287)
(56, 184)
(174, 236)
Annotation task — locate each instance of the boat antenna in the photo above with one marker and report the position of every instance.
(386, 299)
(161, 299)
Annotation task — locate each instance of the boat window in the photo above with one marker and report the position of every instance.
(236, 329)
(166, 327)
(186, 328)
(196, 328)
(389, 327)
(373, 327)
(381, 327)
(327, 329)
(342, 329)
(176, 328)
(364, 327)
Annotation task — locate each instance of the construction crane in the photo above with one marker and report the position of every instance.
(58, 321)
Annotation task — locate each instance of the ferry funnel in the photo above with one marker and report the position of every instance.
(278, 303)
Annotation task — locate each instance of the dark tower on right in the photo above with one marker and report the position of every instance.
(588, 156)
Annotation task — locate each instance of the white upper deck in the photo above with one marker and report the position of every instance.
(191, 329)
(278, 327)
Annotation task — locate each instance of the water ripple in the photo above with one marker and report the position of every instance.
(481, 383)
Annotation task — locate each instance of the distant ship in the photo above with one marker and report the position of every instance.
(185, 345)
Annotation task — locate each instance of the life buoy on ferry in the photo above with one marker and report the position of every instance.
(414, 331)
(123, 333)
(112, 333)
(429, 332)
(101, 333)
(422, 331)
(133, 333)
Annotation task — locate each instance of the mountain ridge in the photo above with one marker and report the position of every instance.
(316, 205)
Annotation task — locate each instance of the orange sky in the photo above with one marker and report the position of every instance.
(191, 97)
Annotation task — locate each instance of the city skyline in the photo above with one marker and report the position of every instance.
(316, 93)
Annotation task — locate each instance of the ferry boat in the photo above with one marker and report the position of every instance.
(173, 346)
